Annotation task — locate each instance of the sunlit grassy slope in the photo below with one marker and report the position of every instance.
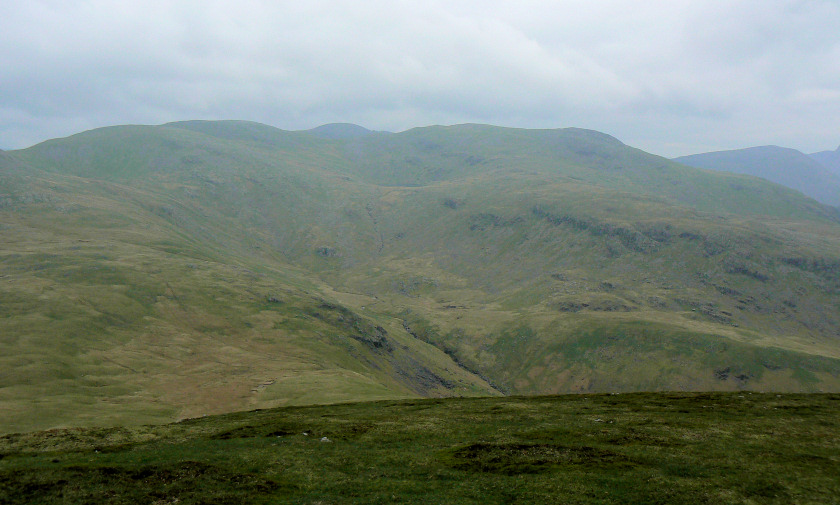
(153, 273)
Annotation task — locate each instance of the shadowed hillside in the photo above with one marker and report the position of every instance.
(829, 159)
(788, 167)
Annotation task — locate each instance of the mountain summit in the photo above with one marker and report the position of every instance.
(340, 131)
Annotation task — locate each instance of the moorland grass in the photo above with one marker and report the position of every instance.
(703, 448)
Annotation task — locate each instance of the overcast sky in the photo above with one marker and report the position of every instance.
(671, 77)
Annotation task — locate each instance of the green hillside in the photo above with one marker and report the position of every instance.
(151, 273)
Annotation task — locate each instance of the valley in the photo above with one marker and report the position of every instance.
(156, 273)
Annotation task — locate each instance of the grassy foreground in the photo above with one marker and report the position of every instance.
(628, 448)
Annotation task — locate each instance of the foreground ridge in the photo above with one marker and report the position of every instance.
(627, 448)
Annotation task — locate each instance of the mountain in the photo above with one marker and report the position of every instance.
(340, 131)
(781, 165)
(829, 159)
(151, 273)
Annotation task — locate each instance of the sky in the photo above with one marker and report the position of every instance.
(671, 77)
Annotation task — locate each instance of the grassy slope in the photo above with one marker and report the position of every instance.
(126, 305)
(136, 256)
(533, 249)
(555, 273)
(631, 448)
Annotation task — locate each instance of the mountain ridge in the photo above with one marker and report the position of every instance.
(440, 261)
(829, 159)
(781, 165)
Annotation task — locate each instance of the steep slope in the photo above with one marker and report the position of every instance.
(829, 159)
(125, 302)
(157, 272)
(788, 167)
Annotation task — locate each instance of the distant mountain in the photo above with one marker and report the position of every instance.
(784, 166)
(340, 131)
(150, 273)
(829, 159)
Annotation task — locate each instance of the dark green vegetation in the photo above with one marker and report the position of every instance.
(813, 175)
(152, 273)
(734, 448)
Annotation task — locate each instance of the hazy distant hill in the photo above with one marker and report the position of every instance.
(829, 159)
(340, 131)
(154, 272)
(788, 167)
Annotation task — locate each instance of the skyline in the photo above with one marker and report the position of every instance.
(671, 78)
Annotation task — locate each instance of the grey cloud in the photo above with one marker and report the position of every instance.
(670, 77)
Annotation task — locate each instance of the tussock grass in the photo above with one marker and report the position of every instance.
(629, 448)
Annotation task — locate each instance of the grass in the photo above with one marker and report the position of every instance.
(99, 328)
(587, 449)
